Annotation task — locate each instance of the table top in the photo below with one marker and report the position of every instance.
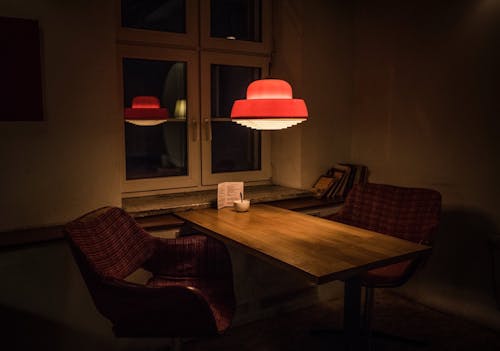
(321, 249)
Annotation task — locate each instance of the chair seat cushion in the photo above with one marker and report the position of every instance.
(387, 275)
(217, 293)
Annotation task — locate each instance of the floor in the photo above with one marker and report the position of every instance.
(289, 331)
(393, 314)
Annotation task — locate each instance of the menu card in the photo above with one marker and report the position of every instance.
(228, 193)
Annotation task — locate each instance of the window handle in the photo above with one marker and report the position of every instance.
(208, 129)
(194, 129)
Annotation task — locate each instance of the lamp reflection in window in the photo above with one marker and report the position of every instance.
(180, 109)
(146, 111)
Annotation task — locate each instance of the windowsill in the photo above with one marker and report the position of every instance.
(154, 206)
(163, 204)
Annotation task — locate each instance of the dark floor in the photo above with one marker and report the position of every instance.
(285, 332)
(393, 314)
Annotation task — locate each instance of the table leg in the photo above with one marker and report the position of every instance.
(352, 314)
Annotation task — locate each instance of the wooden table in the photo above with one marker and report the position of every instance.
(318, 248)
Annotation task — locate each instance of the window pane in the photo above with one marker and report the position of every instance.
(234, 148)
(156, 151)
(236, 19)
(229, 83)
(159, 15)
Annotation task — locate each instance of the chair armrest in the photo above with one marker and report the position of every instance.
(190, 256)
(133, 308)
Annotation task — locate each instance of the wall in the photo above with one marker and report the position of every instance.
(425, 113)
(287, 63)
(55, 170)
(327, 86)
(52, 171)
(408, 89)
(68, 164)
(313, 51)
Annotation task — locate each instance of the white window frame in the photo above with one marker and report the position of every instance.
(193, 150)
(199, 51)
(209, 178)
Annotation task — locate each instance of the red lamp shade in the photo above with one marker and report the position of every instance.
(269, 105)
(146, 111)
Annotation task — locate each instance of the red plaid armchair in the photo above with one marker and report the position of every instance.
(191, 289)
(409, 213)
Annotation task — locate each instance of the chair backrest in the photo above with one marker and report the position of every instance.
(409, 213)
(111, 242)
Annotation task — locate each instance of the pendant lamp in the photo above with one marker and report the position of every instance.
(146, 111)
(269, 106)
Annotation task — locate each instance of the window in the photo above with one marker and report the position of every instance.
(233, 148)
(158, 22)
(164, 16)
(242, 25)
(159, 150)
(236, 20)
(232, 152)
(166, 155)
(160, 52)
